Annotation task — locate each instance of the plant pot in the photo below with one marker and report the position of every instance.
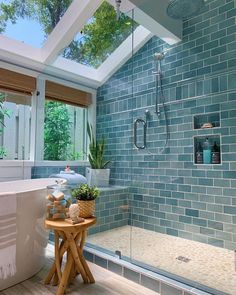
(86, 208)
(98, 177)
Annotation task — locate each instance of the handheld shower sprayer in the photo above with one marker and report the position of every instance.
(158, 56)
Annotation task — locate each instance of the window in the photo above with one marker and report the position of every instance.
(30, 21)
(64, 131)
(15, 132)
(100, 36)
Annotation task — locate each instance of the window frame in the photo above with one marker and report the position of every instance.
(37, 124)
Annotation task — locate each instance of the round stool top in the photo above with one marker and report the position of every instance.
(66, 226)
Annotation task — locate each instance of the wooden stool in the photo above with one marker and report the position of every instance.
(73, 240)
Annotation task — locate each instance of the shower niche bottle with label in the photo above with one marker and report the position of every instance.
(199, 154)
(215, 154)
(206, 152)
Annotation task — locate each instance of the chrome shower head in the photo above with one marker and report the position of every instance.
(159, 55)
(181, 9)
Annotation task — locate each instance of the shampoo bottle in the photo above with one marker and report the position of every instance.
(206, 152)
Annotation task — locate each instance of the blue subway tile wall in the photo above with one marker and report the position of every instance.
(169, 193)
(46, 171)
(112, 209)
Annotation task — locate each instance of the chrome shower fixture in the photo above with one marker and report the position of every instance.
(181, 9)
(159, 55)
(118, 3)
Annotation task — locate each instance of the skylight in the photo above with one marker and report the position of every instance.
(30, 21)
(100, 46)
(100, 36)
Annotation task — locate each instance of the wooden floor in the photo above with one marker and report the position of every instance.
(107, 283)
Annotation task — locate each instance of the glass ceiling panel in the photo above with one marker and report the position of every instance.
(31, 21)
(101, 35)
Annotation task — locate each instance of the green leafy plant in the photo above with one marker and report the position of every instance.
(3, 152)
(75, 155)
(57, 139)
(96, 150)
(85, 193)
(3, 112)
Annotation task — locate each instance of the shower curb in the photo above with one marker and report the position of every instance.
(149, 279)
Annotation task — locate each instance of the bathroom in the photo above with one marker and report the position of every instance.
(170, 210)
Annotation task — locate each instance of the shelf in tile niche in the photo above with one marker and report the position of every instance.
(207, 150)
(211, 120)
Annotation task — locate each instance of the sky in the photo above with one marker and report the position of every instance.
(26, 31)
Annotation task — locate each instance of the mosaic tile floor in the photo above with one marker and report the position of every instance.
(205, 264)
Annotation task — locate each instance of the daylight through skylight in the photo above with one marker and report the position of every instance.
(30, 21)
(100, 36)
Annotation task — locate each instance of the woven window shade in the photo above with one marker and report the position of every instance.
(16, 82)
(58, 92)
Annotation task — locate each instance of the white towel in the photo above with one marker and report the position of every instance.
(7, 234)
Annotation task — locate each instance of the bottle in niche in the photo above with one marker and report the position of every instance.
(199, 153)
(215, 155)
(206, 152)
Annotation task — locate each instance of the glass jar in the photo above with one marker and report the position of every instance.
(58, 201)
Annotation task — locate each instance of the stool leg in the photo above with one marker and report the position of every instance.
(65, 276)
(76, 256)
(57, 255)
(63, 248)
(82, 259)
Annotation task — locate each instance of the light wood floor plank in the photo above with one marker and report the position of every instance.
(107, 283)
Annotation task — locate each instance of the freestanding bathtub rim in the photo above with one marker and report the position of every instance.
(27, 185)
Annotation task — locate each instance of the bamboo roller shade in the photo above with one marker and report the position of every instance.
(58, 92)
(16, 82)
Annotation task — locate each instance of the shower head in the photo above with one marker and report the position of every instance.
(181, 9)
(159, 55)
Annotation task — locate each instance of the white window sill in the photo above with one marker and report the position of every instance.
(61, 163)
(16, 163)
(28, 163)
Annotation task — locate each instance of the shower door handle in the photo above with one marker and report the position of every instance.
(136, 122)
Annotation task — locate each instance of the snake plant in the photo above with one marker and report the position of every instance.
(96, 150)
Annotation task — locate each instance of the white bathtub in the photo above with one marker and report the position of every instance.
(31, 238)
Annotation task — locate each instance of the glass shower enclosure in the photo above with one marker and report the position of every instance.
(164, 212)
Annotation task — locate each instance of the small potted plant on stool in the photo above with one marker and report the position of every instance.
(86, 196)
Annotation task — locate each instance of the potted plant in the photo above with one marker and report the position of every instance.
(98, 174)
(86, 196)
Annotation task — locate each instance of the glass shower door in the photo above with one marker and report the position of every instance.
(180, 224)
(114, 123)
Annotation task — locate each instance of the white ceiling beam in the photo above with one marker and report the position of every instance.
(123, 53)
(12, 47)
(85, 74)
(72, 22)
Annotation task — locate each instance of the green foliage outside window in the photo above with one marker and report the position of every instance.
(100, 37)
(57, 139)
(3, 112)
